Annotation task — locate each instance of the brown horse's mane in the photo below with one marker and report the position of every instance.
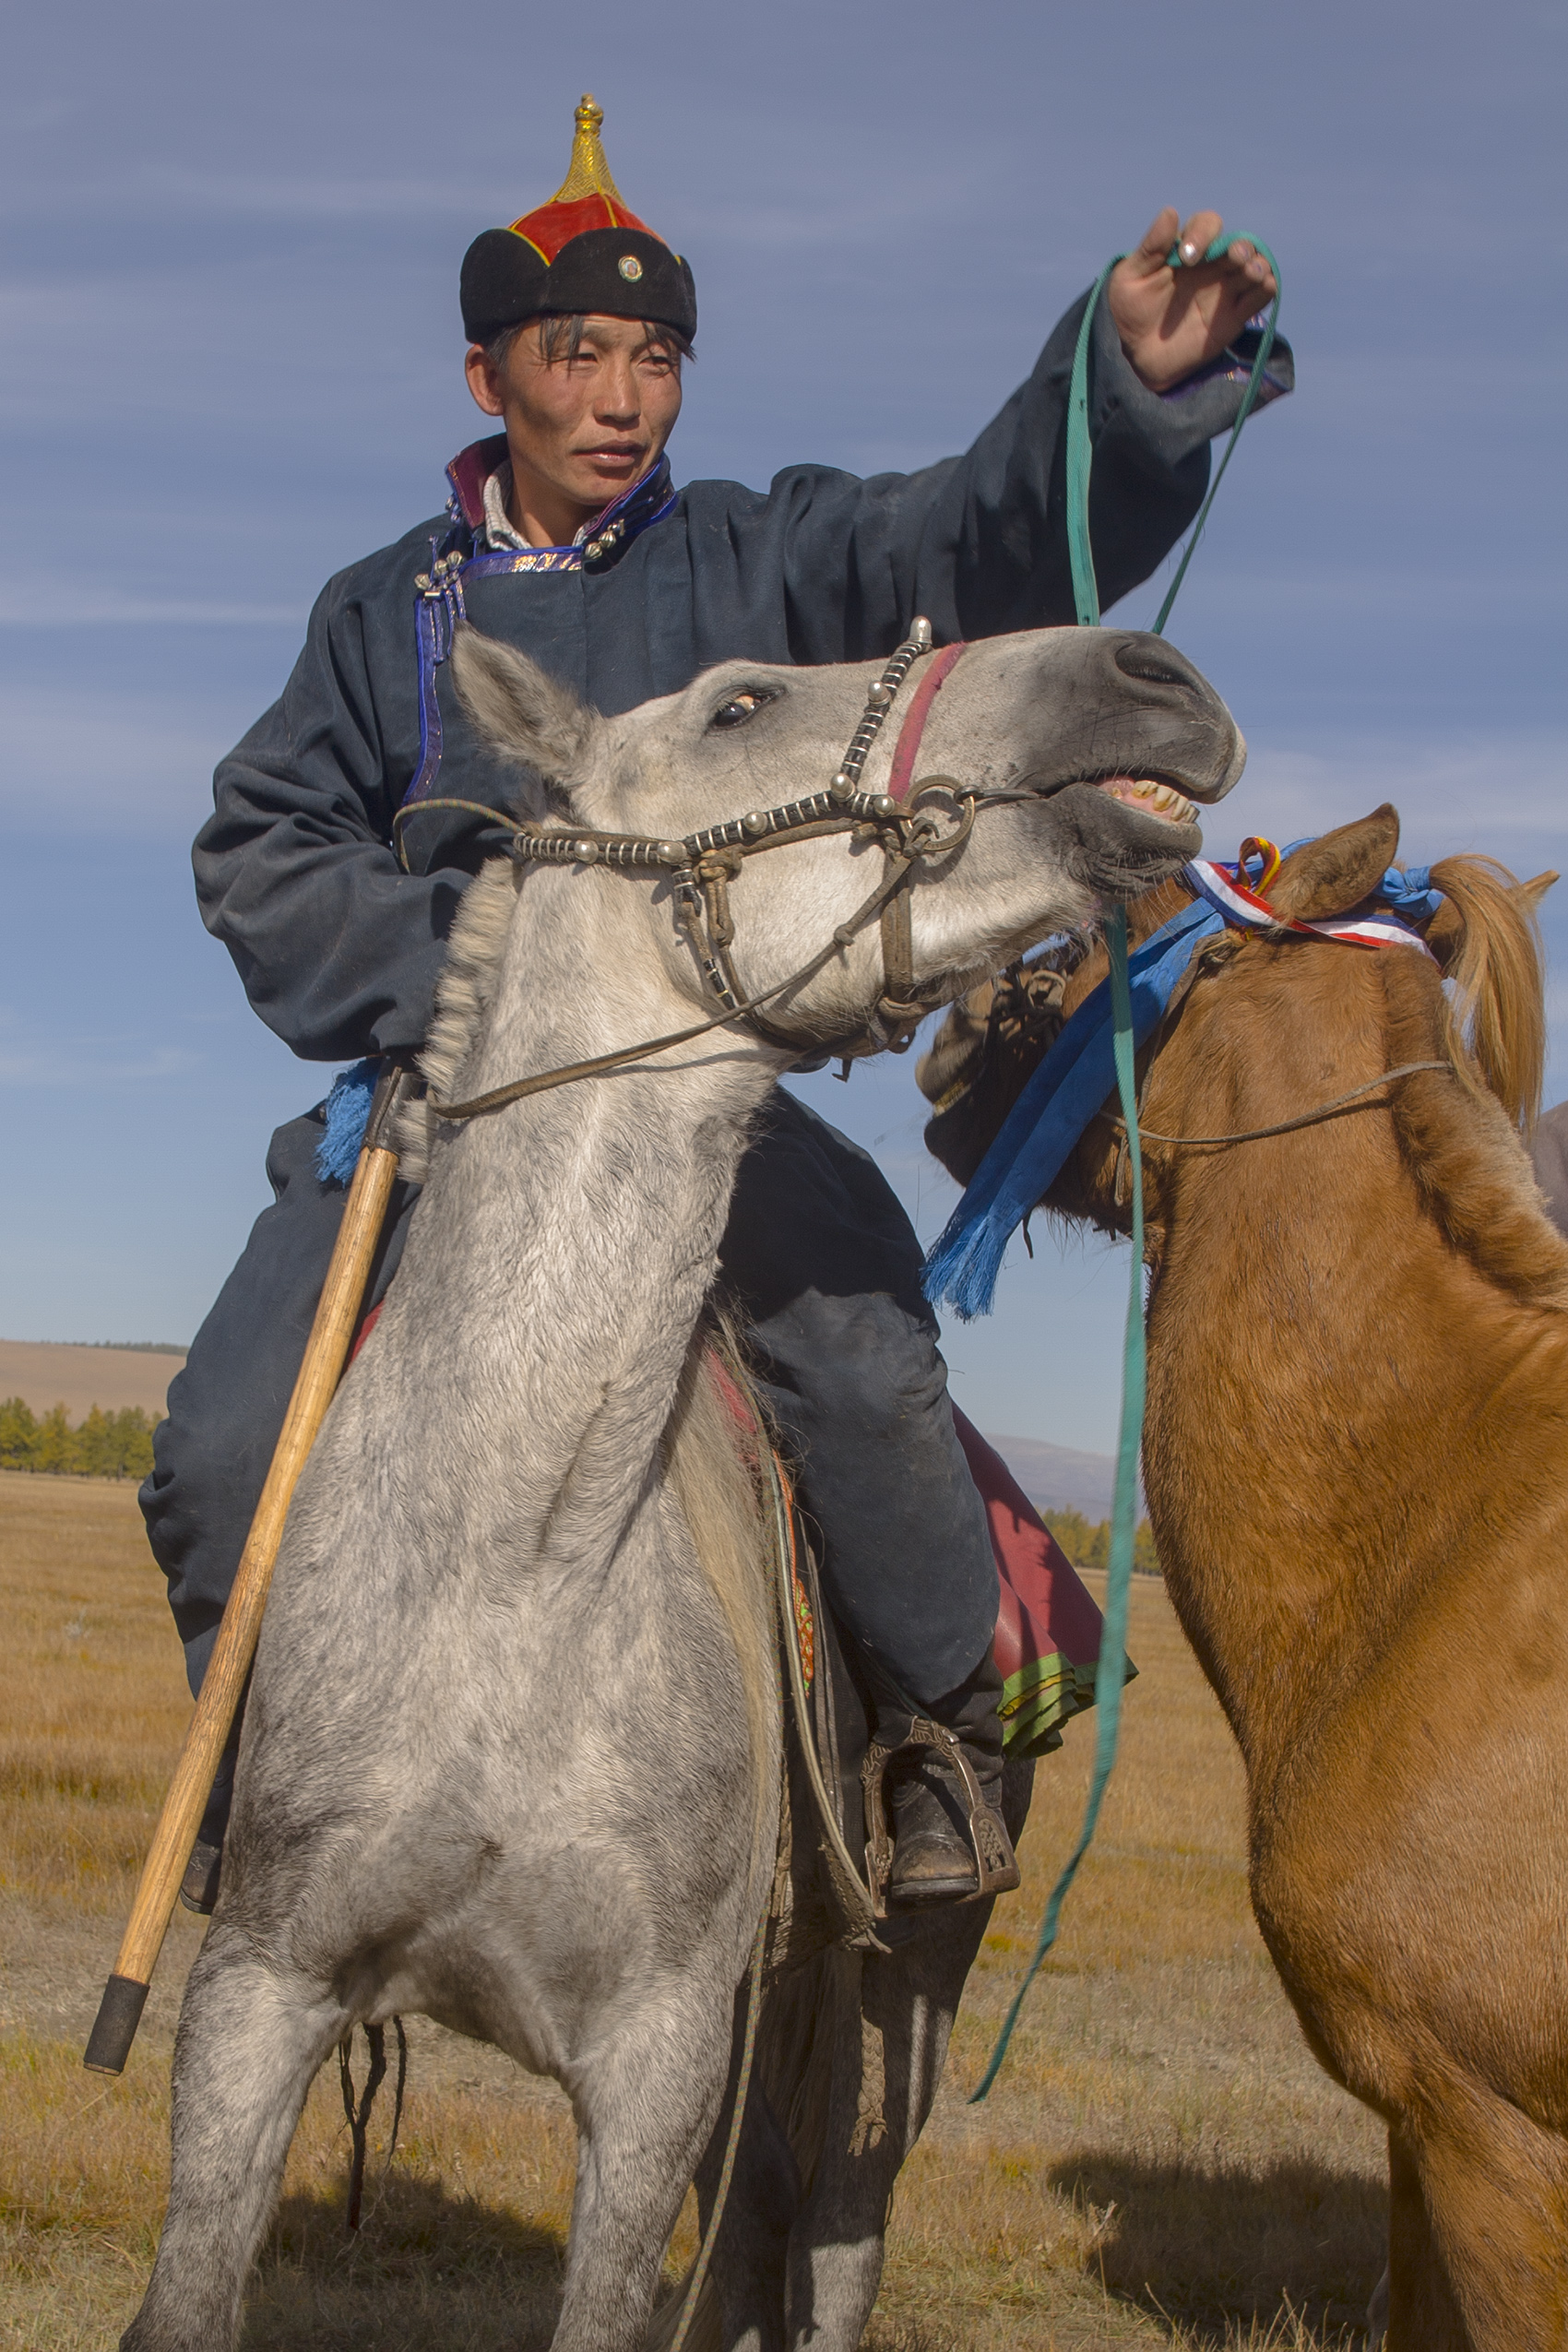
(1462, 1143)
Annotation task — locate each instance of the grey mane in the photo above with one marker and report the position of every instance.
(464, 995)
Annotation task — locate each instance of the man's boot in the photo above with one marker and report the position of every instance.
(199, 1888)
(929, 1800)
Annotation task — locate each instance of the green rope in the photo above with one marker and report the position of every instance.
(1080, 459)
(1110, 1668)
(1080, 450)
(1249, 402)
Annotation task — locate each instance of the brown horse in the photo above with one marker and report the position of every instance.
(1355, 1456)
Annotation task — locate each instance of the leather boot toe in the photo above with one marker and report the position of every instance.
(933, 1861)
(199, 1888)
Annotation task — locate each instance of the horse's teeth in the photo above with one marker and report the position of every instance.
(1161, 800)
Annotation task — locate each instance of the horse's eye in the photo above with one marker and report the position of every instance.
(744, 707)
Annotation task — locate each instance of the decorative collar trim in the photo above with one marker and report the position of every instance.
(466, 475)
(633, 511)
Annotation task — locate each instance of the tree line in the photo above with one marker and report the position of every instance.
(119, 1445)
(103, 1445)
(1086, 1543)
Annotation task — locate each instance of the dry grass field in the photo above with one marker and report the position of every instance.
(1162, 2164)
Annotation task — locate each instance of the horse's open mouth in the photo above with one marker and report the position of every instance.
(1153, 798)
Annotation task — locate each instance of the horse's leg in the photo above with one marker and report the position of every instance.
(1377, 2314)
(892, 2049)
(887, 2073)
(251, 2039)
(893, 2036)
(1478, 2233)
(645, 2104)
(1418, 2307)
(750, 2251)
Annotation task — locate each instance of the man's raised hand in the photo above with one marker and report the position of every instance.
(1172, 321)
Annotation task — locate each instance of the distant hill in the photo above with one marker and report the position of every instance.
(131, 1346)
(44, 1372)
(1056, 1478)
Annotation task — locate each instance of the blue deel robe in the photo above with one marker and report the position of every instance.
(339, 949)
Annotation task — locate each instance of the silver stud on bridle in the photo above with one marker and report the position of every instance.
(845, 786)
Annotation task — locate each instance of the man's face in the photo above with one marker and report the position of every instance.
(584, 428)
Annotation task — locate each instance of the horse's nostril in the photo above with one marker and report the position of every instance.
(1160, 665)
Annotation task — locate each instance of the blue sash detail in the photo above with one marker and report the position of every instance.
(437, 614)
(1075, 1077)
(1408, 891)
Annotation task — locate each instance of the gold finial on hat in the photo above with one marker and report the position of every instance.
(589, 174)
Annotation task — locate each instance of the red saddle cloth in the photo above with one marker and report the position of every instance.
(1048, 1629)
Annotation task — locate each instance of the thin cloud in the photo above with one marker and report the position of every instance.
(105, 1059)
(105, 762)
(57, 604)
(1504, 794)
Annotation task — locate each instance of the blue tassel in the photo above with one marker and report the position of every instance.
(347, 1112)
(965, 1269)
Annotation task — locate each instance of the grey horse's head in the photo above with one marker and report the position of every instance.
(1085, 750)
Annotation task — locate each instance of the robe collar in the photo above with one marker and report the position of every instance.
(631, 513)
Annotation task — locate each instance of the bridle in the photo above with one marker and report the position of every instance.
(702, 866)
(1204, 963)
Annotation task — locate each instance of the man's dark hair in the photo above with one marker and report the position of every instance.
(561, 338)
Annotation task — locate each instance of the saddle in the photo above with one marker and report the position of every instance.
(835, 1848)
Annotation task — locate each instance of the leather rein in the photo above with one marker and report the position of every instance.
(1288, 1126)
(702, 866)
(1204, 963)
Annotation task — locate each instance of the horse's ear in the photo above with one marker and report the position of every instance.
(521, 711)
(1337, 872)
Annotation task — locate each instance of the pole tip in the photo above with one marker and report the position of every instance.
(115, 2028)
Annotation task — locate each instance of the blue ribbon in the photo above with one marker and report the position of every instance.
(348, 1114)
(1408, 891)
(1051, 1114)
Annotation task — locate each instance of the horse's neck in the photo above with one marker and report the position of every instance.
(560, 1260)
(1321, 1355)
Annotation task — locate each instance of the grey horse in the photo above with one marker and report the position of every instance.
(512, 1752)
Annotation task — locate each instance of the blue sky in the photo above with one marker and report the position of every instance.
(231, 364)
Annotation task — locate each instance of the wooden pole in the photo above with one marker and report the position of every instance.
(224, 1684)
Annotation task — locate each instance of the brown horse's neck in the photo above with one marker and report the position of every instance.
(1341, 1316)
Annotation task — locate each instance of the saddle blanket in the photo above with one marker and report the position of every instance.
(1047, 1626)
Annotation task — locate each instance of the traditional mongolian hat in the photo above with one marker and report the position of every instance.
(585, 250)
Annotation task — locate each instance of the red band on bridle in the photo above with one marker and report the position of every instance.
(906, 750)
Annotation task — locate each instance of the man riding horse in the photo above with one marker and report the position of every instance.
(565, 536)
